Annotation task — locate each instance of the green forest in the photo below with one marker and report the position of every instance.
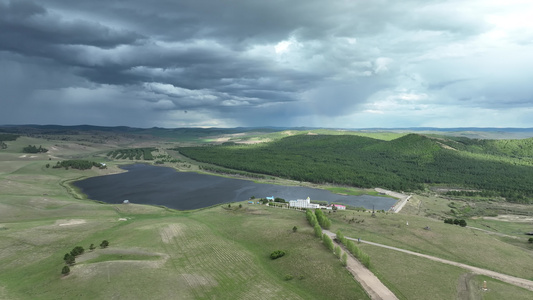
(412, 162)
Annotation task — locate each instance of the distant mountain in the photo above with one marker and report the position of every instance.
(471, 132)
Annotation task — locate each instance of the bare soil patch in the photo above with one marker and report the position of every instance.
(250, 142)
(511, 218)
(70, 222)
(171, 231)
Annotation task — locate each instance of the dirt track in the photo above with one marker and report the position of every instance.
(372, 285)
(521, 282)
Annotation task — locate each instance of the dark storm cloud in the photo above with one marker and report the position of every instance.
(27, 27)
(232, 63)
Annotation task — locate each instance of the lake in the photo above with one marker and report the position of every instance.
(155, 185)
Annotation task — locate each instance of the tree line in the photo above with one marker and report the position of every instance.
(78, 164)
(134, 153)
(6, 137)
(409, 163)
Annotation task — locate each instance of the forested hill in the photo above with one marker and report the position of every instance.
(409, 163)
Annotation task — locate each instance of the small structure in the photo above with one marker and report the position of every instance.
(303, 203)
(126, 202)
(338, 207)
(271, 198)
(250, 202)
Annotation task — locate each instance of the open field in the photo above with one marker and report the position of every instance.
(155, 252)
(442, 240)
(223, 253)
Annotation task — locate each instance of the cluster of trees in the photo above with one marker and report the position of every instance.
(134, 153)
(78, 164)
(317, 218)
(7, 137)
(322, 219)
(354, 250)
(311, 218)
(460, 222)
(277, 254)
(34, 149)
(70, 257)
(405, 164)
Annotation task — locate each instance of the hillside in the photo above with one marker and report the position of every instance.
(411, 162)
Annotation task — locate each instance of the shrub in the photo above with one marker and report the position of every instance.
(104, 244)
(277, 254)
(65, 270)
(288, 277)
(70, 259)
(78, 250)
(294, 229)
(530, 240)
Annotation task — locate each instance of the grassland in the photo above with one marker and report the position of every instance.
(155, 253)
(222, 252)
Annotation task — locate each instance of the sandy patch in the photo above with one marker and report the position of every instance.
(171, 231)
(511, 218)
(122, 219)
(70, 222)
(22, 156)
(222, 140)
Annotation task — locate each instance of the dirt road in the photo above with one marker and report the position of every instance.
(521, 282)
(398, 206)
(372, 285)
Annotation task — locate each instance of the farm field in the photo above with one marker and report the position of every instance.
(223, 252)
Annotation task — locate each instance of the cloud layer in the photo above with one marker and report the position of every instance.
(349, 64)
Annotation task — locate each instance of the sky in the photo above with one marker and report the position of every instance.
(231, 63)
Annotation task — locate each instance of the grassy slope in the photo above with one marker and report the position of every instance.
(443, 240)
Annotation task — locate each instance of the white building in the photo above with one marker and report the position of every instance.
(303, 203)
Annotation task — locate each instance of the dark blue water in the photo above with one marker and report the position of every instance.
(147, 184)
